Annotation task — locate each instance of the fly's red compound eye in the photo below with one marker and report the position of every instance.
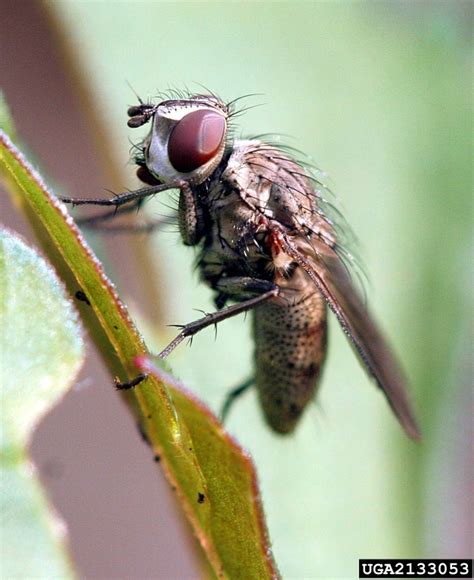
(195, 140)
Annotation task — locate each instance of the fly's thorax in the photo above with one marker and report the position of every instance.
(231, 247)
(258, 193)
(274, 185)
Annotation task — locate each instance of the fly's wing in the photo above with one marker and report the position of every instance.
(329, 274)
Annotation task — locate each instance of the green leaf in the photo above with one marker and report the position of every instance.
(42, 351)
(231, 489)
(220, 498)
(6, 123)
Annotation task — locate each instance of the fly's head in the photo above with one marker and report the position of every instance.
(187, 138)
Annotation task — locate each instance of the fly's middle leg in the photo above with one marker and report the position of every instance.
(264, 289)
(243, 287)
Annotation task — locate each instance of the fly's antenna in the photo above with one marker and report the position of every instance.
(139, 114)
(139, 99)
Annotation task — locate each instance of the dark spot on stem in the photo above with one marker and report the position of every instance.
(143, 433)
(80, 295)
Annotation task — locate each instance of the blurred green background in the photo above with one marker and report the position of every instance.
(379, 94)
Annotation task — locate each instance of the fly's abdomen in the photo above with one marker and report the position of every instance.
(290, 345)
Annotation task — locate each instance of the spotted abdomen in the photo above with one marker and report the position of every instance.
(290, 346)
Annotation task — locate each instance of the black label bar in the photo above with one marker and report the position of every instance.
(415, 568)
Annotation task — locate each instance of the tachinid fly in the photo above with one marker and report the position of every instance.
(265, 243)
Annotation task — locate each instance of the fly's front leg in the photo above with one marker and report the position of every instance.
(127, 197)
(134, 199)
(189, 217)
(271, 291)
(101, 221)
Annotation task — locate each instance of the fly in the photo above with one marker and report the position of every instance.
(265, 245)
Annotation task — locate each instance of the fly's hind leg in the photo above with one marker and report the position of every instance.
(228, 288)
(233, 395)
(261, 290)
